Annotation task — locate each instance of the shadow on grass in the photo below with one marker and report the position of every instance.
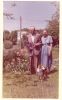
(53, 71)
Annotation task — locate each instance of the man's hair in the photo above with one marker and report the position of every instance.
(32, 27)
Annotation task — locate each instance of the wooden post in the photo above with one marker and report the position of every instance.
(20, 30)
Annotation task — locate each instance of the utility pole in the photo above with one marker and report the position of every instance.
(19, 33)
(20, 29)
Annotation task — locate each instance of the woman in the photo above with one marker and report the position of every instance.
(46, 53)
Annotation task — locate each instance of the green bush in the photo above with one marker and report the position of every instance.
(9, 54)
(14, 37)
(6, 35)
(8, 44)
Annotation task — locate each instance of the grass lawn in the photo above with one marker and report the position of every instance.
(29, 86)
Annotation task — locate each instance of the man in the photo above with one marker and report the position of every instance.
(34, 49)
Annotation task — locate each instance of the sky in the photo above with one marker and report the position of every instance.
(33, 13)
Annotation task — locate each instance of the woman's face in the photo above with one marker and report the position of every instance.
(45, 33)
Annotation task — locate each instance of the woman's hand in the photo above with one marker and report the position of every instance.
(49, 49)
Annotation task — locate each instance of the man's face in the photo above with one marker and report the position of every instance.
(32, 30)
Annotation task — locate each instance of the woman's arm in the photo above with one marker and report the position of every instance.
(51, 42)
(50, 46)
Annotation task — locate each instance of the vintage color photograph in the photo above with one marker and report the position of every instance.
(31, 49)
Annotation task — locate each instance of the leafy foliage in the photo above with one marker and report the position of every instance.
(14, 37)
(8, 44)
(6, 35)
(53, 24)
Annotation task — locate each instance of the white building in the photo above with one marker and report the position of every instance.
(20, 35)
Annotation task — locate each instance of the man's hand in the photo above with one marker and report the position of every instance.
(37, 44)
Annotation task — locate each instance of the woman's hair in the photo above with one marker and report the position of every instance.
(45, 30)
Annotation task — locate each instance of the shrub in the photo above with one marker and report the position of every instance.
(14, 37)
(9, 54)
(6, 35)
(8, 44)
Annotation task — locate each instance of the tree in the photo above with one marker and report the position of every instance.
(14, 37)
(53, 24)
(6, 35)
(53, 27)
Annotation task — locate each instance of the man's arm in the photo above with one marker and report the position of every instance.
(39, 41)
(37, 44)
